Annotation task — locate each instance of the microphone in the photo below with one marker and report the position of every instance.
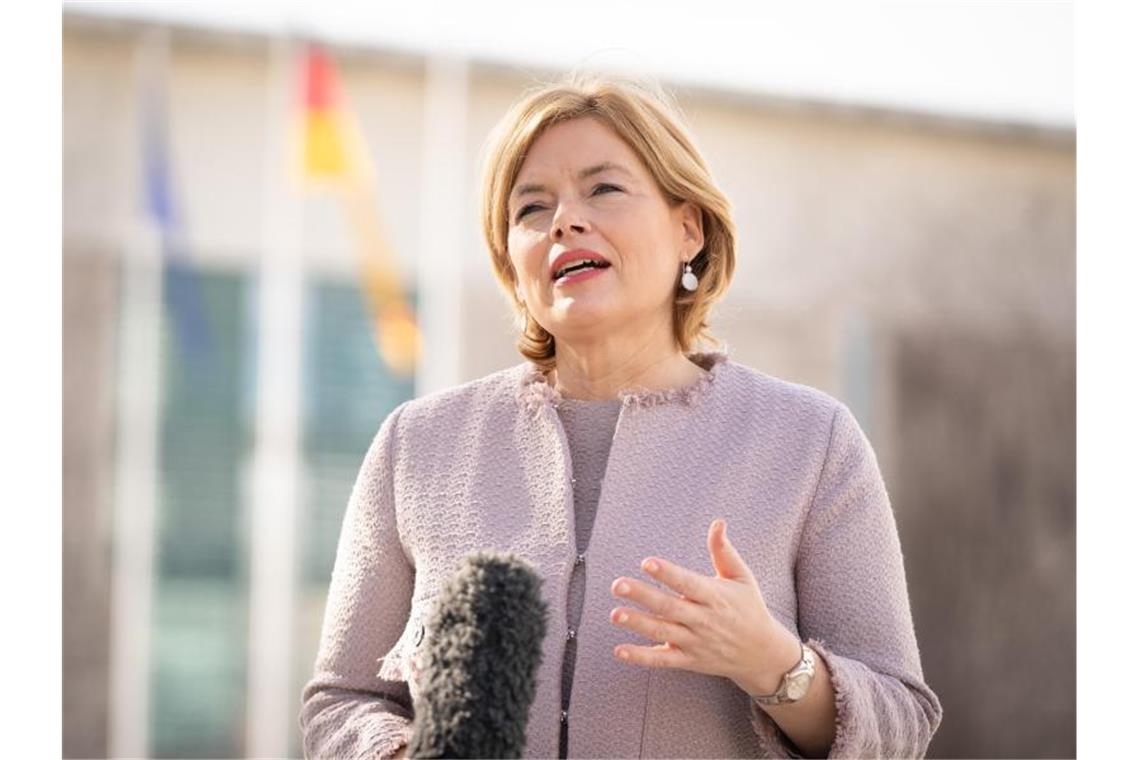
(479, 664)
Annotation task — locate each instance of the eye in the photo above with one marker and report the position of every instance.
(530, 207)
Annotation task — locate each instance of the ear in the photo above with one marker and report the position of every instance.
(692, 228)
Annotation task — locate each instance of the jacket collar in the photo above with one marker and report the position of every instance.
(534, 392)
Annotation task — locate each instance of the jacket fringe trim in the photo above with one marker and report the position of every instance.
(536, 393)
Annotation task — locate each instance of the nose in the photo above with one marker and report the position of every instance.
(567, 218)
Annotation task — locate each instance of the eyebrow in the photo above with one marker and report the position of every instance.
(587, 172)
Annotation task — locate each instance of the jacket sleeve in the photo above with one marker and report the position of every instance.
(347, 710)
(854, 610)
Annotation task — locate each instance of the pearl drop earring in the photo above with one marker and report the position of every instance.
(688, 279)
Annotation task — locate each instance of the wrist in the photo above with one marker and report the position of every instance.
(778, 659)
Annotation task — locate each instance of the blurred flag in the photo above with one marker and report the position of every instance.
(182, 289)
(334, 157)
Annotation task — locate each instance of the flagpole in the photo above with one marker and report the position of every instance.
(441, 258)
(137, 463)
(276, 465)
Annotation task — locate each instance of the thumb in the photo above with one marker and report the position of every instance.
(726, 560)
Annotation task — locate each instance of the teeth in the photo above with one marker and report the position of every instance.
(574, 263)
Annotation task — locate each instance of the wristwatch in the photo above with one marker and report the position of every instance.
(796, 681)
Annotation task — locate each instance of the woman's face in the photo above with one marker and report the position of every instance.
(582, 187)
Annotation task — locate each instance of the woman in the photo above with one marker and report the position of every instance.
(613, 460)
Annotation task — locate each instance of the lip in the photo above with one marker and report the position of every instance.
(577, 253)
(578, 276)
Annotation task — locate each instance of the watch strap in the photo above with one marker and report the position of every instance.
(781, 696)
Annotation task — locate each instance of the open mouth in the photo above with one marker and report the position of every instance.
(576, 267)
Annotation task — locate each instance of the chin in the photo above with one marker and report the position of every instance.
(574, 317)
(572, 308)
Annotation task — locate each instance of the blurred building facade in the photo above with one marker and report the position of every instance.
(921, 270)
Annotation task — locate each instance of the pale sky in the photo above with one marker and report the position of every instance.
(997, 61)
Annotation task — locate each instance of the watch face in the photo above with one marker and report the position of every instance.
(798, 685)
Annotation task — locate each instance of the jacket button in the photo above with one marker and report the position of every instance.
(580, 560)
(565, 716)
(570, 634)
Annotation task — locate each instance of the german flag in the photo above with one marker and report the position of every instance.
(334, 158)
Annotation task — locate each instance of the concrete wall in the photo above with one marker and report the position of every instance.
(89, 293)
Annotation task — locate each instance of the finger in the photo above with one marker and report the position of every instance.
(661, 603)
(659, 656)
(697, 587)
(726, 559)
(652, 627)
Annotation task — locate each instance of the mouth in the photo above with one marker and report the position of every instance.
(571, 264)
(578, 275)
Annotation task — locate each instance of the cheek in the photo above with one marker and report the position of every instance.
(644, 243)
(651, 275)
(526, 257)
(650, 260)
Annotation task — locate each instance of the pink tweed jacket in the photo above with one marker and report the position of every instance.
(486, 465)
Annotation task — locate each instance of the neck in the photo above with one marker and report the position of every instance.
(600, 370)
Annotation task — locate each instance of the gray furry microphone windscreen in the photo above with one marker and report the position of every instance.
(481, 656)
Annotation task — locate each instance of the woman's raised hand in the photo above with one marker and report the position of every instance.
(718, 625)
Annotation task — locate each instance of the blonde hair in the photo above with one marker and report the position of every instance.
(649, 122)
